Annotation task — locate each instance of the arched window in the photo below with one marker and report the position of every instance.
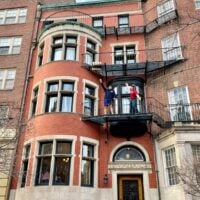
(128, 153)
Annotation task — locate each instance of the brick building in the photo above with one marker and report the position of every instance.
(75, 149)
(16, 28)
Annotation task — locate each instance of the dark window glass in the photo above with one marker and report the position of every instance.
(40, 55)
(44, 163)
(97, 22)
(34, 101)
(25, 165)
(123, 21)
(89, 100)
(62, 163)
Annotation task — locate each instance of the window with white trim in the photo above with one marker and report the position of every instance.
(197, 3)
(10, 45)
(170, 166)
(90, 52)
(34, 101)
(25, 162)
(57, 155)
(64, 48)
(13, 16)
(90, 100)
(124, 54)
(180, 109)
(171, 48)
(87, 165)
(7, 78)
(165, 7)
(60, 96)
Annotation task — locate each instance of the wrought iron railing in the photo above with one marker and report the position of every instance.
(162, 114)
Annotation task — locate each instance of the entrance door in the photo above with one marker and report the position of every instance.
(130, 188)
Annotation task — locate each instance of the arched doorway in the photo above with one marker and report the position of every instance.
(130, 169)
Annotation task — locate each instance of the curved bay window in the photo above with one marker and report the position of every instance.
(122, 102)
(128, 153)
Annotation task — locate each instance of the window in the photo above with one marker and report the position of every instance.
(123, 21)
(179, 104)
(47, 23)
(87, 165)
(58, 152)
(124, 54)
(129, 153)
(97, 22)
(44, 163)
(197, 3)
(64, 48)
(196, 157)
(171, 48)
(72, 20)
(7, 78)
(34, 101)
(165, 7)
(91, 52)
(170, 166)
(59, 96)
(13, 16)
(10, 45)
(62, 163)
(89, 104)
(25, 164)
(40, 54)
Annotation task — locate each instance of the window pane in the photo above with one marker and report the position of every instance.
(9, 84)
(52, 87)
(43, 171)
(89, 58)
(62, 169)
(126, 105)
(58, 40)
(87, 169)
(88, 150)
(128, 153)
(67, 86)
(63, 147)
(57, 53)
(98, 22)
(90, 45)
(90, 91)
(51, 103)
(70, 53)
(24, 173)
(66, 103)
(45, 148)
(71, 40)
(4, 50)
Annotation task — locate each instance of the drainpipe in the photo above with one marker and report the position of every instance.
(32, 47)
(156, 167)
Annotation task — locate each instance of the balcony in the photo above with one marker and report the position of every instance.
(129, 63)
(124, 124)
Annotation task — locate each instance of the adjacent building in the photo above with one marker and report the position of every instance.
(17, 20)
(73, 149)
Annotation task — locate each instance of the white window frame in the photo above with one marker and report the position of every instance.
(165, 7)
(19, 13)
(96, 87)
(95, 143)
(5, 78)
(10, 42)
(166, 175)
(197, 4)
(174, 105)
(171, 47)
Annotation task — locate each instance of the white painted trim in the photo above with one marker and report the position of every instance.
(96, 156)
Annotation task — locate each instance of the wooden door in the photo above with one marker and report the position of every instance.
(130, 188)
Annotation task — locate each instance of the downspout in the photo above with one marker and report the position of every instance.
(26, 80)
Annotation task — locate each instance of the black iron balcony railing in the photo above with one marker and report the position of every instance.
(162, 115)
(131, 62)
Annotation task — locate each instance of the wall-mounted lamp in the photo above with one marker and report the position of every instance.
(105, 179)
